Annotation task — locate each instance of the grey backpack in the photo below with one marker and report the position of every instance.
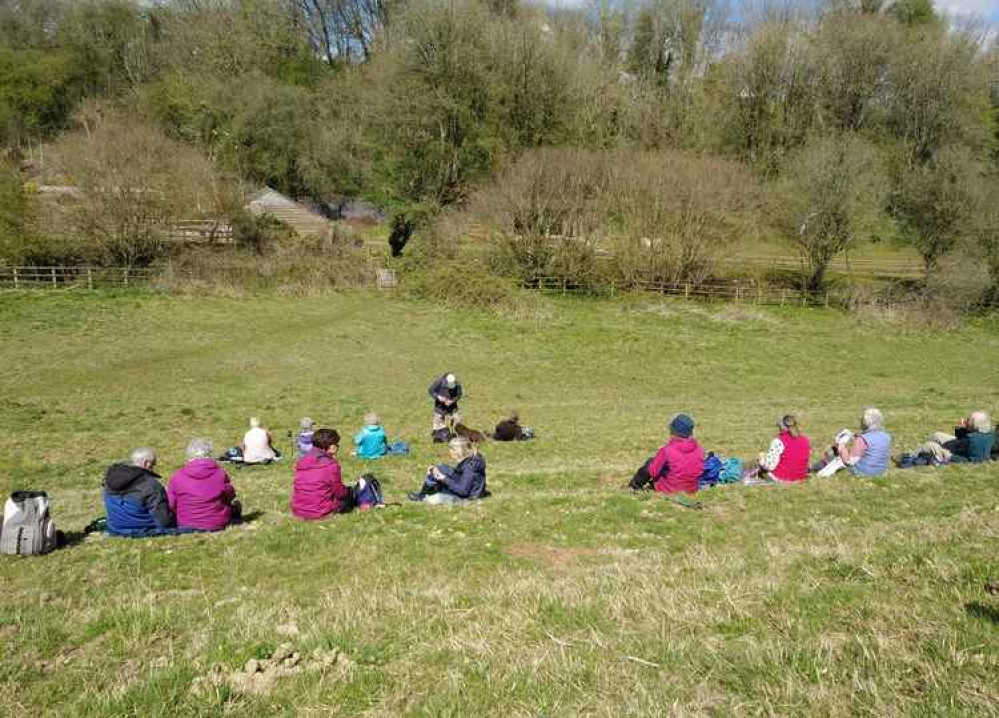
(27, 529)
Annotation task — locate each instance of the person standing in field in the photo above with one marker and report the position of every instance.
(445, 391)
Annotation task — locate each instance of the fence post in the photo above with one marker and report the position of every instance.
(16, 282)
(125, 275)
(827, 299)
(686, 291)
(90, 278)
(783, 296)
(53, 276)
(759, 294)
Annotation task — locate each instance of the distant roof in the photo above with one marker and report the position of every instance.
(272, 198)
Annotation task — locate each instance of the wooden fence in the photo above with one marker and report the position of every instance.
(707, 292)
(718, 291)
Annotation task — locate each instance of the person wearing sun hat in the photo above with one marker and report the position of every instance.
(678, 464)
(445, 391)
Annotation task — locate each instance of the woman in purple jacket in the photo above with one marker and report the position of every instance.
(200, 492)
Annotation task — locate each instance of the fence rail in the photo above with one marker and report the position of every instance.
(719, 291)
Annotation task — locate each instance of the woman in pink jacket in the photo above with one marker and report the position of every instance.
(200, 492)
(678, 464)
(318, 490)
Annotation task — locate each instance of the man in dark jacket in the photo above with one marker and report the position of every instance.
(135, 500)
(445, 391)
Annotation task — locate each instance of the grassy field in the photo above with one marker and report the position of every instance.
(562, 595)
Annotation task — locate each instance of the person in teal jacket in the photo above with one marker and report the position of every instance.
(370, 442)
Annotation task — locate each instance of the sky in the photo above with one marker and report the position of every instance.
(988, 9)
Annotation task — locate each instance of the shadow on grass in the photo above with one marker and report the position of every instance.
(976, 609)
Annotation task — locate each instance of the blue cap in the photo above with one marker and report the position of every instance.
(682, 426)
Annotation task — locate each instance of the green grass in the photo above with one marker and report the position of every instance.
(560, 596)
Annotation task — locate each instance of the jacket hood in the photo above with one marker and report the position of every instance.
(120, 476)
(684, 445)
(201, 468)
(369, 429)
(313, 460)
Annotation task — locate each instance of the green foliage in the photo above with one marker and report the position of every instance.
(258, 232)
(37, 92)
(830, 197)
(14, 213)
(935, 203)
(462, 285)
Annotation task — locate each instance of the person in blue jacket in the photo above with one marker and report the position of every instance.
(370, 442)
(134, 499)
(465, 481)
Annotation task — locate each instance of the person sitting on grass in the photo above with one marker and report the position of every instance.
(307, 428)
(370, 441)
(135, 501)
(465, 481)
(678, 464)
(973, 440)
(200, 492)
(257, 444)
(866, 453)
(318, 489)
(787, 459)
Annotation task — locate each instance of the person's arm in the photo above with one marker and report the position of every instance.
(358, 438)
(339, 491)
(659, 466)
(172, 497)
(459, 481)
(159, 506)
(228, 490)
(435, 388)
(458, 392)
(851, 455)
(772, 457)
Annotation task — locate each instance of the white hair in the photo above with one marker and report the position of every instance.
(254, 422)
(199, 449)
(872, 419)
(142, 457)
(980, 421)
(306, 423)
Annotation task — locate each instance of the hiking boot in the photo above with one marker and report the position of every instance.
(416, 496)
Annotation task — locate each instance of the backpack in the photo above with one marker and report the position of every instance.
(731, 471)
(711, 472)
(370, 494)
(27, 529)
(442, 436)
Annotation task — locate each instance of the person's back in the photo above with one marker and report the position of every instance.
(794, 460)
(317, 489)
(468, 478)
(370, 441)
(134, 500)
(257, 446)
(683, 459)
(201, 495)
(874, 460)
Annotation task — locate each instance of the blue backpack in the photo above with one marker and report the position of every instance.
(370, 494)
(731, 471)
(711, 472)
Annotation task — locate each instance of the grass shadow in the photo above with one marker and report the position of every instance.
(976, 609)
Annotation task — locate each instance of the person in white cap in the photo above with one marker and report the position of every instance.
(445, 391)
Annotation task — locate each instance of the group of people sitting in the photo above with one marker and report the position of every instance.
(678, 466)
(200, 496)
